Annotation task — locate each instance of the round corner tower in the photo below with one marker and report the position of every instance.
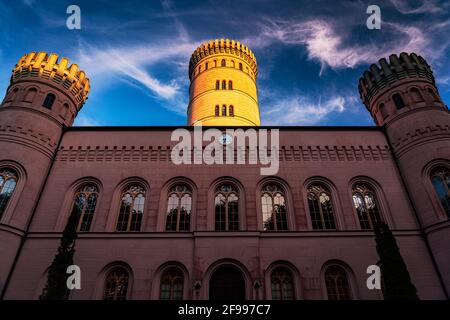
(223, 88)
(43, 98)
(402, 96)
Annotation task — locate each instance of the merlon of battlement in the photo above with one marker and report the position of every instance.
(220, 46)
(399, 67)
(48, 67)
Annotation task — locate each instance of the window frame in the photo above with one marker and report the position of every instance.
(284, 186)
(328, 191)
(180, 195)
(53, 100)
(83, 213)
(434, 198)
(14, 176)
(21, 174)
(211, 219)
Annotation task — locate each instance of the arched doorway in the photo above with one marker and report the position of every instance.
(227, 283)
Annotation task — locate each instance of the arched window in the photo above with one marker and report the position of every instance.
(282, 284)
(337, 283)
(224, 84)
(131, 208)
(29, 96)
(179, 206)
(240, 66)
(417, 97)
(366, 204)
(223, 63)
(224, 111)
(231, 111)
(116, 284)
(232, 64)
(398, 101)
(217, 111)
(230, 85)
(215, 63)
(84, 204)
(49, 100)
(171, 287)
(383, 110)
(199, 69)
(321, 207)
(217, 85)
(440, 177)
(8, 182)
(226, 201)
(273, 202)
(206, 66)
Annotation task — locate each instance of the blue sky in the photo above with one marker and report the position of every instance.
(310, 53)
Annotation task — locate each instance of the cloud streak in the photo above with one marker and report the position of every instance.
(301, 110)
(134, 63)
(325, 45)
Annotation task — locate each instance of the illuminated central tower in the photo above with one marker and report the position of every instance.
(223, 85)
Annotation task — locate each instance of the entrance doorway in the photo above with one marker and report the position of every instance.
(227, 283)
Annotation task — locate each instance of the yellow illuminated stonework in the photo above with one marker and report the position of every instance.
(223, 85)
(47, 66)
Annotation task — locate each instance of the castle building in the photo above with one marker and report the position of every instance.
(149, 228)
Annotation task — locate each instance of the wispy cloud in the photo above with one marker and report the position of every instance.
(328, 47)
(427, 6)
(135, 63)
(301, 110)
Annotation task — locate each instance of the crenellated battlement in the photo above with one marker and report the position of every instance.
(220, 46)
(48, 67)
(398, 68)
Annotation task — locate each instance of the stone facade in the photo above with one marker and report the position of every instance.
(52, 162)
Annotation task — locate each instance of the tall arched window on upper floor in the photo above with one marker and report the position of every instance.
(179, 206)
(226, 203)
(29, 96)
(223, 63)
(224, 111)
(217, 111)
(415, 94)
(231, 111)
(230, 85)
(131, 208)
(240, 66)
(440, 177)
(366, 205)
(224, 84)
(336, 282)
(398, 101)
(273, 204)
(171, 286)
(49, 100)
(282, 284)
(116, 284)
(321, 207)
(217, 85)
(206, 66)
(383, 110)
(8, 182)
(84, 204)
